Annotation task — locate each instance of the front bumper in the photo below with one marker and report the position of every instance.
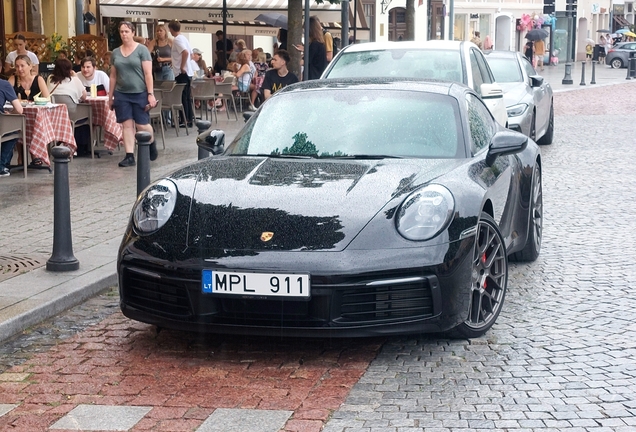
(521, 123)
(358, 293)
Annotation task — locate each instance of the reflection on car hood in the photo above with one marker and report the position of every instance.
(308, 204)
(514, 92)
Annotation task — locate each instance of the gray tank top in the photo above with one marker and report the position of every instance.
(163, 51)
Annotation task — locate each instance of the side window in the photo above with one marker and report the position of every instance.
(476, 72)
(528, 67)
(481, 123)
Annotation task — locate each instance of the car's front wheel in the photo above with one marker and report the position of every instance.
(548, 137)
(489, 280)
(616, 63)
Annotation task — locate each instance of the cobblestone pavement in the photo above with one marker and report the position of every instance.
(561, 356)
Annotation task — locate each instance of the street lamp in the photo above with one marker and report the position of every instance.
(385, 5)
(570, 13)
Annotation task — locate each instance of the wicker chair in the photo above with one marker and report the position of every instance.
(81, 114)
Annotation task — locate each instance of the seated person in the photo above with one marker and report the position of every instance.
(7, 95)
(90, 75)
(24, 83)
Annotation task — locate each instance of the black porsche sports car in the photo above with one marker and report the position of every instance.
(342, 208)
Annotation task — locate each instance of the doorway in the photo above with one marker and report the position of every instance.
(397, 24)
(436, 20)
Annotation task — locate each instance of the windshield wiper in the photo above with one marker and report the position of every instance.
(286, 156)
(366, 156)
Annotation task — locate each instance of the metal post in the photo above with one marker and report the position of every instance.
(582, 73)
(567, 79)
(629, 70)
(632, 62)
(593, 72)
(143, 160)
(306, 44)
(62, 258)
(202, 126)
(344, 21)
(451, 20)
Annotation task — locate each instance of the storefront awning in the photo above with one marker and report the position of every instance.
(210, 11)
(620, 20)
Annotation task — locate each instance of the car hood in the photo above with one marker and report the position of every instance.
(514, 93)
(306, 204)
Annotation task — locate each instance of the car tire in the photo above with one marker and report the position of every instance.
(532, 248)
(489, 281)
(548, 136)
(616, 63)
(533, 127)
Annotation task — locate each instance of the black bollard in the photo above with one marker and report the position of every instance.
(629, 70)
(143, 160)
(632, 62)
(593, 72)
(202, 126)
(62, 258)
(567, 79)
(582, 73)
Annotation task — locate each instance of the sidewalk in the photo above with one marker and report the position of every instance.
(102, 196)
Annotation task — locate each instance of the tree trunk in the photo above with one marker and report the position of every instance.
(410, 20)
(294, 34)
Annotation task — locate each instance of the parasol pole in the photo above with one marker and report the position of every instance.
(306, 51)
(224, 11)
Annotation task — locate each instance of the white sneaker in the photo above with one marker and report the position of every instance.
(252, 107)
(4, 172)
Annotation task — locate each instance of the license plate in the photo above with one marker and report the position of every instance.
(255, 284)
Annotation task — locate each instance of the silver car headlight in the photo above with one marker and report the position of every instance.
(155, 206)
(517, 110)
(425, 213)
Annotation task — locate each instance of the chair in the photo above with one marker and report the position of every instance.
(204, 91)
(13, 126)
(81, 114)
(157, 114)
(172, 102)
(225, 89)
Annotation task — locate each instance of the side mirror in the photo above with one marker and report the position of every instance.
(536, 81)
(491, 91)
(504, 143)
(212, 140)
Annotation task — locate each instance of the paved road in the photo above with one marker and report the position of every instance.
(561, 356)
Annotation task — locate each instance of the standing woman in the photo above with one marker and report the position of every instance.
(317, 55)
(25, 84)
(161, 48)
(130, 93)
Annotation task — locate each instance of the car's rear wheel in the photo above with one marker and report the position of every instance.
(616, 63)
(531, 250)
(548, 137)
(489, 280)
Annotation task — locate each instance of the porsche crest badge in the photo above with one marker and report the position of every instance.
(267, 236)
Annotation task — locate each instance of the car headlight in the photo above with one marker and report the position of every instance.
(517, 110)
(155, 206)
(425, 213)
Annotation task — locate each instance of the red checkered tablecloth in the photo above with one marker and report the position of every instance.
(47, 124)
(104, 117)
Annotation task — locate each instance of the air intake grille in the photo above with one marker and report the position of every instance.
(380, 303)
(159, 293)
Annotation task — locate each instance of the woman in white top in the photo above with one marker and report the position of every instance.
(61, 82)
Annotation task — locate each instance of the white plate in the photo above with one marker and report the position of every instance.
(233, 283)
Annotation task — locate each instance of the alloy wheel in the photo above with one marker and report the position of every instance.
(489, 277)
(537, 209)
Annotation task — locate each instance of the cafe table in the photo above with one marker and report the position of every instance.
(104, 117)
(46, 124)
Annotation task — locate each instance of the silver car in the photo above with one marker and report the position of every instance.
(528, 95)
(457, 61)
(618, 56)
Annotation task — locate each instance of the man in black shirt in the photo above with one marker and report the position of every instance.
(221, 60)
(279, 76)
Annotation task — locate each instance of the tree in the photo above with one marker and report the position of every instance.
(296, 31)
(410, 20)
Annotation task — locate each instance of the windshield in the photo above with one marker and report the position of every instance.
(416, 63)
(505, 69)
(342, 123)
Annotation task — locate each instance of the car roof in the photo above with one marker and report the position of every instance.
(380, 83)
(494, 53)
(433, 44)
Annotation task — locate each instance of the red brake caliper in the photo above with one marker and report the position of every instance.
(483, 260)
